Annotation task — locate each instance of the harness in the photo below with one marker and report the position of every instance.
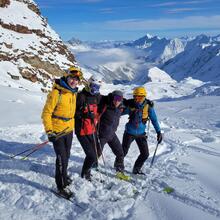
(139, 115)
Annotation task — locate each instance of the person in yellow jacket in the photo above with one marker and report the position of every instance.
(58, 119)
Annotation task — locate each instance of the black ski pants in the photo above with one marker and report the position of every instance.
(62, 148)
(116, 148)
(142, 145)
(92, 149)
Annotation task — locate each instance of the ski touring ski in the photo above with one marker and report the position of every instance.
(70, 199)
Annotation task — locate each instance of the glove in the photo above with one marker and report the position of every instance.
(144, 120)
(52, 136)
(159, 137)
(90, 115)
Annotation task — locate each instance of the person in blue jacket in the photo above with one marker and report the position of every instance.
(140, 110)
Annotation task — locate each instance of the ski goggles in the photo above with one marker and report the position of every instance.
(117, 98)
(94, 88)
(75, 73)
(73, 77)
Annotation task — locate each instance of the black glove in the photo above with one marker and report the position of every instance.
(144, 120)
(90, 115)
(159, 137)
(52, 136)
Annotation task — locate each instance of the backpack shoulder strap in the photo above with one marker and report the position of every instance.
(149, 102)
(59, 98)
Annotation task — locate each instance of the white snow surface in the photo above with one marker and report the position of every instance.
(187, 160)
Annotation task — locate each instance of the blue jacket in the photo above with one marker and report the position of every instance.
(136, 125)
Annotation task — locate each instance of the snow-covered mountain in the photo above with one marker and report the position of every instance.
(200, 60)
(116, 64)
(157, 49)
(125, 62)
(29, 48)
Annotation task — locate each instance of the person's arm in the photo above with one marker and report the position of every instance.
(126, 104)
(153, 118)
(102, 104)
(79, 105)
(48, 110)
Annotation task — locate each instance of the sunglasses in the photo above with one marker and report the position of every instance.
(139, 96)
(118, 98)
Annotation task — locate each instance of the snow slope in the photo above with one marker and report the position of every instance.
(187, 160)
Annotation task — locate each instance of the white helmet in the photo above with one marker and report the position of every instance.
(94, 85)
(96, 79)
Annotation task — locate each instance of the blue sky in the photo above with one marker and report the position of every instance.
(131, 19)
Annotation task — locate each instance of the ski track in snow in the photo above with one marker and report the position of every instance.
(25, 184)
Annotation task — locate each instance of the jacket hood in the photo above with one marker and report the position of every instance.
(61, 84)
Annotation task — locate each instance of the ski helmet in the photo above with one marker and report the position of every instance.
(94, 85)
(140, 91)
(75, 72)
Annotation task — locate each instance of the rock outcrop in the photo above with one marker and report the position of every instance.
(27, 41)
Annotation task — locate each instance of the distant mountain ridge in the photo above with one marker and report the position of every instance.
(196, 57)
(200, 60)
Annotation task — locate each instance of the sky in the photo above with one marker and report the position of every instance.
(131, 19)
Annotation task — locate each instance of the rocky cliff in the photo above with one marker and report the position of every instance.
(29, 48)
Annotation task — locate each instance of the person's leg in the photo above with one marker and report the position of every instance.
(126, 142)
(144, 153)
(116, 147)
(91, 157)
(68, 144)
(61, 164)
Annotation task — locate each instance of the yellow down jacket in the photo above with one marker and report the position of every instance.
(59, 110)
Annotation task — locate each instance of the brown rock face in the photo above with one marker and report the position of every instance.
(4, 3)
(52, 69)
(41, 56)
(27, 74)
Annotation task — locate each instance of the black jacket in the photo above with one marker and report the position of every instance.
(110, 116)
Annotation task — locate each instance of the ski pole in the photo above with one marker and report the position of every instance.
(37, 146)
(29, 149)
(102, 156)
(40, 146)
(62, 133)
(152, 161)
(148, 129)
